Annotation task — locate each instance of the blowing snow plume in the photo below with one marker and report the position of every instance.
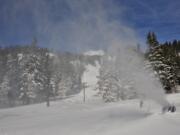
(91, 24)
(130, 67)
(120, 41)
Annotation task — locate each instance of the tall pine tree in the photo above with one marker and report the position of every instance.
(161, 58)
(152, 40)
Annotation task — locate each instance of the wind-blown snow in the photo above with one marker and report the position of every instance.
(65, 118)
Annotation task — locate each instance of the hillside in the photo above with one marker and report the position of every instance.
(72, 118)
(30, 74)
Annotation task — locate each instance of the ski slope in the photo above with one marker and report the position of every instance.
(68, 118)
(89, 78)
(74, 117)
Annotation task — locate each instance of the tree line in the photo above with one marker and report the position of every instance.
(31, 74)
(165, 60)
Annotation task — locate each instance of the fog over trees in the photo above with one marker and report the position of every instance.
(30, 74)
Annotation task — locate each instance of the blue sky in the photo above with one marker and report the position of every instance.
(52, 21)
(161, 16)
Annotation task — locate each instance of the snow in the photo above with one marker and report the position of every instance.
(74, 117)
(90, 78)
(20, 56)
(97, 118)
(93, 52)
(178, 88)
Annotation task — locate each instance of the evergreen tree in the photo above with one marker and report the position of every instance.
(4, 89)
(111, 84)
(29, 70)
(29, 74)
(48, 88)
(13, 75)
(163, 67)
(152, 40)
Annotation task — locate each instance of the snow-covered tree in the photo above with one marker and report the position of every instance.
(29, 65)
(48, 86)
(111, 84)
(30, 74)
(152, 40)
(13, 76)
(163, 68)
(64, 86)
(4, 89)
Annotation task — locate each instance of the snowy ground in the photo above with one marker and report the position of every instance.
(73, 117)
(97, 118)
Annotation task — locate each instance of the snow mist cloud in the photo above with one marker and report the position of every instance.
(74, 25)
(131, 68)
(80, 25)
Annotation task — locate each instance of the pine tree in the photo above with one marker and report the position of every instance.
(152, 40)
(48, 89)
(111, 84)
(108, 86)
(4, 89)
(163, 68)
(28, 74)
(13, 75)
(29, 65)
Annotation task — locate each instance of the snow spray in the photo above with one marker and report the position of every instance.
(131, 66)
(93, 24)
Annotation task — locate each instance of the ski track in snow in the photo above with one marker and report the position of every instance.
(73, 117)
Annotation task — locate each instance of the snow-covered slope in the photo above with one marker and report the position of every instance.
(74, 117)
(89, 78)
(65, 118)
